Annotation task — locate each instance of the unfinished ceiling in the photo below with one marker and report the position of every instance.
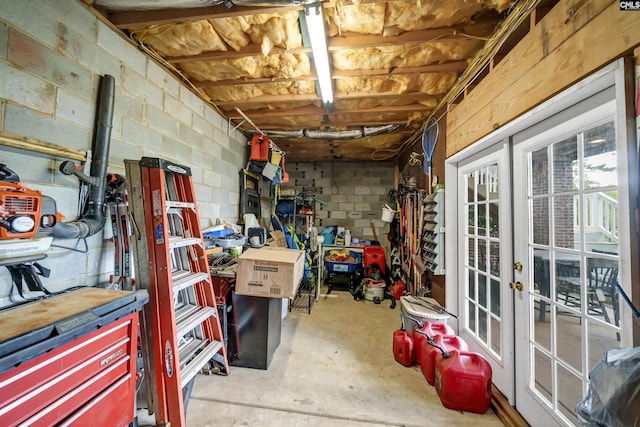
(391, 64)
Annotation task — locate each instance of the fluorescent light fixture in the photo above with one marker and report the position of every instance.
(315, 28)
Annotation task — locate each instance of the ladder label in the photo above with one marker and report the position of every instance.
(156, 200)
(158, 230)
(168, 358)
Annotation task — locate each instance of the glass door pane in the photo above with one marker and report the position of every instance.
(483, 300)
(573, 251)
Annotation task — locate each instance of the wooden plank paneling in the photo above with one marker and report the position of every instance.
(549, 59)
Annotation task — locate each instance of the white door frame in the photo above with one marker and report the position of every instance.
(502, 364)
(612, 74)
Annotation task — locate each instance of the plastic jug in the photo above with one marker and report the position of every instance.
(403, 348)
(431, 329)
(429, 352)
(463, 381)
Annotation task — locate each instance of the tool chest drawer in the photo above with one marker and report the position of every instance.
(88, 358)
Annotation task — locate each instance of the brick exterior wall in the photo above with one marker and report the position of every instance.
(52, 55)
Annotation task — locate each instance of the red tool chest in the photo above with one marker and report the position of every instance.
(79, 369)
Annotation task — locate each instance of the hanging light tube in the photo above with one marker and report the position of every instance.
(315, 28)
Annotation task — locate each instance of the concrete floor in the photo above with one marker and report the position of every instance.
(334, 367)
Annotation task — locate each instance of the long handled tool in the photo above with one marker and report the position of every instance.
(636, 312)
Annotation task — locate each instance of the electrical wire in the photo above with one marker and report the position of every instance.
(517, 13)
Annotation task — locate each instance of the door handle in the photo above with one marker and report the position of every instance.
(518, 267)
(517, 286)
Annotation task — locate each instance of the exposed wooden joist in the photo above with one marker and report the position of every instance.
(266, 99)
(455, 66)
(134, 20)
(348, 42)
(250, 50)
(410, 37)
(317, 111)
(251, 81)
(272, 99)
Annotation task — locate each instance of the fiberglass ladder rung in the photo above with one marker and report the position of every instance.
(197, 362)
(189, 280)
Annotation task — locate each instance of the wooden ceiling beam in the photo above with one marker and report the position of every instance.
(311, 110)
(249, 50)
(353, 41)
(137, 19)
(456, 66)
(274, 99)
(266, 99)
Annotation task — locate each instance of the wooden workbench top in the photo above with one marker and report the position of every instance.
(20, 320)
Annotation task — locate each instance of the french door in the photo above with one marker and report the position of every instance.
(567, 209)
(543, 232)
(485, 252)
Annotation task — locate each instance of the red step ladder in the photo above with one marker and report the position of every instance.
(180, 330)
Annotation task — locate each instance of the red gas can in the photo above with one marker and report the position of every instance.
(432, 329)
(463, 381)
(403, 348)
(374, 254)
(428, 353)
(398, 289)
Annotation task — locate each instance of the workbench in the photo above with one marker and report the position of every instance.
(70, 359)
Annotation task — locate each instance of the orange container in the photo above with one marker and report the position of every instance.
(428, 353)
(463, 381)
(403, 348)
(432, 329)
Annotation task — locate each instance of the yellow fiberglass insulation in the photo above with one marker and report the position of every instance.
(410, 55)
(432, 84)
(267, 30)
(286, 65)
(182, 39)
(249, 91)
(367, 18)
(417, 15)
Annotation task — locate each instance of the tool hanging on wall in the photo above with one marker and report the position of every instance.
(429, 139)
(118, 208)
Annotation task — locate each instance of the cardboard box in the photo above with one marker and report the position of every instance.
(277, 239)
(270, 272)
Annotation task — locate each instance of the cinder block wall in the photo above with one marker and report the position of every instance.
(52, 55)
(354, 191)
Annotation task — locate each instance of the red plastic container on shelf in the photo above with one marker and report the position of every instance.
(463, 381)
(428, 353)
(403, 348)
(432, 329)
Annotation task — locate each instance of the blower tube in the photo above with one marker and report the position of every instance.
(93, 220)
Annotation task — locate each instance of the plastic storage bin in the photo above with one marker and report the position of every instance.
(413, 314)
(344, 266)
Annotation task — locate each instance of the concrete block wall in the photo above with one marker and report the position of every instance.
(52, 56)
(355, 193)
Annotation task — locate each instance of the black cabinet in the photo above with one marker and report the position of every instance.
(254, 330)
